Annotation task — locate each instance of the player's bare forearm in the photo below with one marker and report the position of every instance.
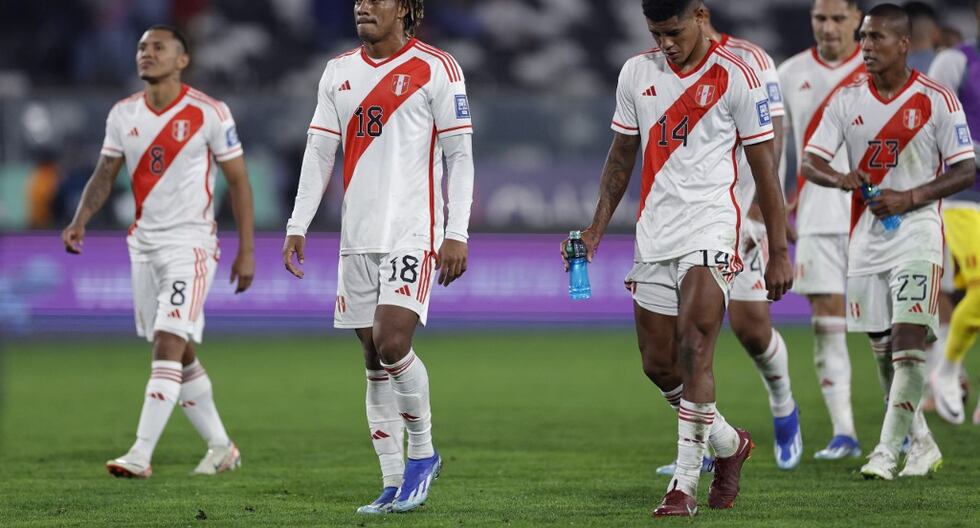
(957, 178)
(98, 189)
(240, 193)
(817, 170)
(615, 180)
(761, 158)
(779, 135)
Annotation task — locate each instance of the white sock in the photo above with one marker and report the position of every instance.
(694, 422)
(723, 438)
(161, 394)
(410, 382)
(903, 399)
(935, 353)
(920, 427)
(386, 427)
(773, 366)
(882, 348)
(673, 397)
(197, 400)
(834, 371)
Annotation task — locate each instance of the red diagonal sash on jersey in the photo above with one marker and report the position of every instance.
(163, 150)
(687, 105)
(879, 159)
(388, 94)
(811, 127)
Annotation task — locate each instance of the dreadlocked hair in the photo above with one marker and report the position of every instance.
(414, 17)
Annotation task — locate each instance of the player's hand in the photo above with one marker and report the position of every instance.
(293, 244)
(891, 202)
(853, 180)
(243, 269)
(591, 239)
(779, 275)
(74, 238)
(452, 261)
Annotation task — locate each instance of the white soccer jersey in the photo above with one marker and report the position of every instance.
(168, 155)
(389, 115)
(808, 84)
(765, 68)
(901, 144)
(690, 127)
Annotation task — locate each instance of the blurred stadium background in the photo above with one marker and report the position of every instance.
(541, 76)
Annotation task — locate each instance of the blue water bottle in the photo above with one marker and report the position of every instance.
(870, 192)
(578, 268)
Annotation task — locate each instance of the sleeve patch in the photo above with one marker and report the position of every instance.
(231, 137)
(762, 109)
(462, 107)
(963, 135)
(775, 96)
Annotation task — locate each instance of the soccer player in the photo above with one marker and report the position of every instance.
(169, 136)
(688, 104)
(398, 106)
(900, 129)
(808, 80)
(959, 69)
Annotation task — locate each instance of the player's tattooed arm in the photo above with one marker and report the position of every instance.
(818, 170)
(779, 271)
(240, 192)
(615, 180)
(96, 192)
(957, 178)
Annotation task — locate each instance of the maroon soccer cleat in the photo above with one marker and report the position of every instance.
(728, 472)
(676, 503)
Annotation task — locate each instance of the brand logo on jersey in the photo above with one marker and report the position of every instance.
(917, 308)
(651, 91)
(963, 135)
(704, 94)
(762, 108)
(344, 87)
(911, 118)
(404, 290)
(858, 121)
(134, 132)
(231, 137)
(180, 129)
(462, 107)
(775, 96)
(400, 83)
(805, 86)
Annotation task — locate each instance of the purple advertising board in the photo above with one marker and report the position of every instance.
(511, 279)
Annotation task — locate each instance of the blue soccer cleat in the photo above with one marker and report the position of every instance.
(419, 474)
(707, 466)
(840, 446)
(382, 504)
(789, 441)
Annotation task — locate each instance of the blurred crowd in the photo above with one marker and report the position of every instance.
(517, 55)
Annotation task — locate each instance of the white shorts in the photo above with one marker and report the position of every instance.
(906, 294)
(169, 288)
(821, 265)
(656, 286)
(750, 284)
(364, 281)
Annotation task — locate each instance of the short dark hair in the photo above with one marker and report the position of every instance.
(853, 3)
(893, 13)
(177, 34)
(660, 10)
(920, 10)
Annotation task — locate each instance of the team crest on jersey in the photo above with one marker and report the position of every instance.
(911, 118)
(180, 130)
(704, 95)
(963, 135)
(400, 84)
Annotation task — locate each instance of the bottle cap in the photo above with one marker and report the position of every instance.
(574, 235)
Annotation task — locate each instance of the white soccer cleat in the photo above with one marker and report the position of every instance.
(840, 446)
(923, 458)
(219, 459)
(948, 395)
(129, 466)
(881, 465)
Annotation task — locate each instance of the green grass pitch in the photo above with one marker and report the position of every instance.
(536, 429)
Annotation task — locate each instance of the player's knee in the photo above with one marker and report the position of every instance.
(168, 347)
(755, 338)
(392, 346)
(659, 369)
